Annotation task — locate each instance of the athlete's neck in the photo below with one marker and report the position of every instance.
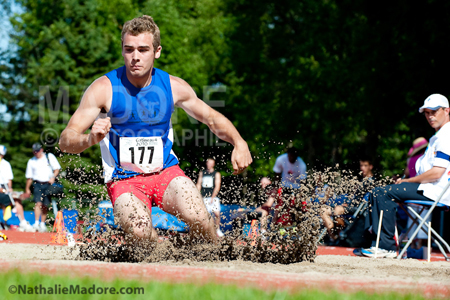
(210, 170)
(141, 81)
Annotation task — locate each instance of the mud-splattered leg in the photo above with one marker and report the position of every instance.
(134, 217)
(183, 200)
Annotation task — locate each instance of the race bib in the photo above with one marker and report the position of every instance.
(141, 154)
(207, 182)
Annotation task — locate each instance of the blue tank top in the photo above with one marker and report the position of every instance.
(141, 114)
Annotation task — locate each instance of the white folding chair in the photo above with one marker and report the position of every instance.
(431, 205)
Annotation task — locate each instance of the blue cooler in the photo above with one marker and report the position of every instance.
(70, 219)
(105, 210)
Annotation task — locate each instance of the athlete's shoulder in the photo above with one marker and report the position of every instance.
(102, 82)
(178, 82)
(181, 90)
(100, 92)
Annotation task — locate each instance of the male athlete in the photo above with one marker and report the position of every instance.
(130, 109)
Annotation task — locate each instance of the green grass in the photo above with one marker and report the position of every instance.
(163, 290)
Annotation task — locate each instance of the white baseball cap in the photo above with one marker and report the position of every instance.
(434, 102)
(2, 150)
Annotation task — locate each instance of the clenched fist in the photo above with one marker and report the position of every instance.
(99, 130)
(240, 157)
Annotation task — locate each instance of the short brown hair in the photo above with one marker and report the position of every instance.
(140, 25)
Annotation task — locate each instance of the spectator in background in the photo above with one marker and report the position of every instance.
(433, 174)
(6, 178)
(415, 152)
(41, 173)
(208, 183)
(348, 206)
(289, 170)
(366, 167)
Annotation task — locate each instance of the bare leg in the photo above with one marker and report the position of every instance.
(44, 211)
(37, 211)
(134, 217)
(182, 199)
(217, 219)
(19, 210)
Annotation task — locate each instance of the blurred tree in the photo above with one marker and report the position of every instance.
(63, 46)
(339, 79)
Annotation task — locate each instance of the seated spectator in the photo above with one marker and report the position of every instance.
(331, 209)
(433, 174)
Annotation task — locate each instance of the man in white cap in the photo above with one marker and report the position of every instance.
(6, 178)
(433, 173)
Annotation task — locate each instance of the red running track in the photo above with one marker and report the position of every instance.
(199, 275)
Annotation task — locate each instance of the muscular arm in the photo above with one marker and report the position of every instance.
(97, 97)
(199, 180)
(185, 98)
(217, 184)
(431, 175)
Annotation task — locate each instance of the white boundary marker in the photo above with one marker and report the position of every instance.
(378, 235)
(429, 242)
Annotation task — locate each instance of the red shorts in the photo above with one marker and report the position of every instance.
(149, 188)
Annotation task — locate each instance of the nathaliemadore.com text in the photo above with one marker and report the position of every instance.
(57, 289)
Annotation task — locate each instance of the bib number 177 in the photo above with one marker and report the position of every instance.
(143, 155)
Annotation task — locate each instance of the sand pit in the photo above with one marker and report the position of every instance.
(345, 273)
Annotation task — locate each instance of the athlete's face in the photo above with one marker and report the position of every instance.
(437, 118)
(138, 53)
